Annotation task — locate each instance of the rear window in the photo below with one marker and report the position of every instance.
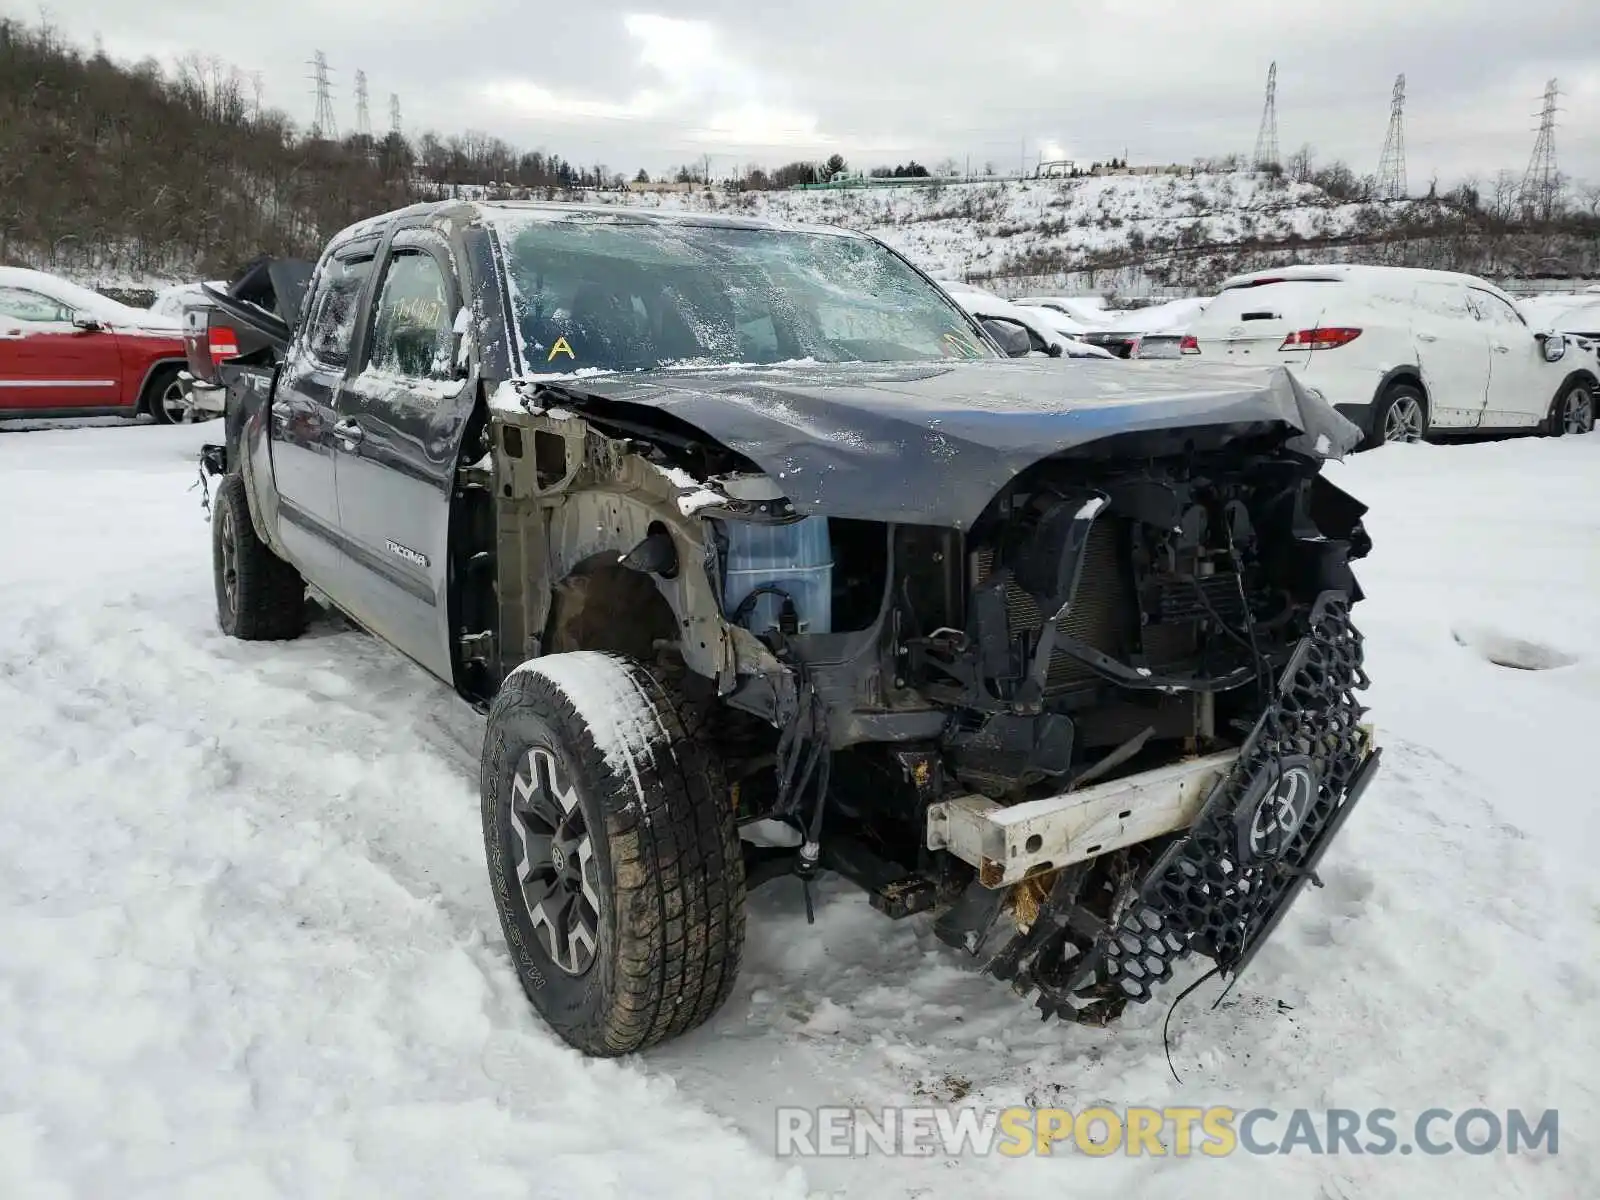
(1286, 301)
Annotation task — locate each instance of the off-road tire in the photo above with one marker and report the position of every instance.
(1555, 424)
(267, 598)
(161, 380)
(1397, 395)
(669, 868)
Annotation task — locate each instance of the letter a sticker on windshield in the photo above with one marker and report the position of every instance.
(560, 347)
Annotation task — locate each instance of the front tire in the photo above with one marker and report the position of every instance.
(1573, 410)
(259, 596)
(612, 852)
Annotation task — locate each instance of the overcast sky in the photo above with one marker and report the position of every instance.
(879, 81)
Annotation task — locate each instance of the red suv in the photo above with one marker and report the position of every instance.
(67, 351)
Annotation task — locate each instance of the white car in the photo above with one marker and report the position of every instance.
(1019, 330)
(1403, 353)
(1086, 312)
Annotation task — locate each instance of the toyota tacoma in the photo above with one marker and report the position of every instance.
(763, 560)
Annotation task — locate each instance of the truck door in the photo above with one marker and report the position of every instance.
(304, 413)
(401, 421)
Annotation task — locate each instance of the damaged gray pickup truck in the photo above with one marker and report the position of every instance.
(764, 561)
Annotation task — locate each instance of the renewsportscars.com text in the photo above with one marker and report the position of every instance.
(1215, 1132)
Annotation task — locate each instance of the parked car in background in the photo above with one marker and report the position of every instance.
(1085, 312)
(171, 303)
(220, 322)
(1154, 332)
(1403, 353)
(68, 351)
(1020, 331)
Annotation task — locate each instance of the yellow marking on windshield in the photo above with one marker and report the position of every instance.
(561, 347)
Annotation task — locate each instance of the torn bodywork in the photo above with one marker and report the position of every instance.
(1056, 719)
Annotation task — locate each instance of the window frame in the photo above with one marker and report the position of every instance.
(60, 306)
(1473, 296)
(346, 256)
(405, 241)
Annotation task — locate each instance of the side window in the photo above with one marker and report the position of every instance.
(411, 326)
(1445, 300)
(22, 305)
(331, 315)
(1496, 311)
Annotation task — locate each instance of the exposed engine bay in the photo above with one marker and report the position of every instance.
(1048, 728)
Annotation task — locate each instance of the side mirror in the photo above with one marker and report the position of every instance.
(86, 323)
(1055, 350)
(1013, 339)
(1555, 347)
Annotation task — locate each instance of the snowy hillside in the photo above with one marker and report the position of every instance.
(1038, 227)
(247, 946)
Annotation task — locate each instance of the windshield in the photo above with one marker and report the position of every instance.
(624, 296)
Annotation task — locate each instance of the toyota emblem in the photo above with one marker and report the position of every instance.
(1275, 808)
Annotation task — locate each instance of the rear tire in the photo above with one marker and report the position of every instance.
(260, 598)
(1401, 415)
(613, 853)
(163, 396)
(1572, 411)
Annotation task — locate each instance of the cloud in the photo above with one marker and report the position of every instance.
(878, 81)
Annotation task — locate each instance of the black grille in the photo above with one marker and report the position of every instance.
(1202, 894)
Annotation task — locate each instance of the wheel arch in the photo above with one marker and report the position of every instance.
(1408, 375)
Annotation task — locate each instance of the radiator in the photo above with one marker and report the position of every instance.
(1104, 613)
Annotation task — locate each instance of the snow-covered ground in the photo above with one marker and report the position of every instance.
(247, 949)
(960, 229)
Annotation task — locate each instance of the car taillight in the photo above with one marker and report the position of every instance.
(1320, 339)
(223, 343)
(1190, 344)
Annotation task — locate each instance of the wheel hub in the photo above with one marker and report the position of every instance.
(1579, 414)
(556, 867)
(1403, 422)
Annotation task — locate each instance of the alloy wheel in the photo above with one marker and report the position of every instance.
(556, 868)
(1403, 422)
(172, 403)
(1577, 414)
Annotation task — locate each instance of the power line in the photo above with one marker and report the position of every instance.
(363, 113)
(1392, 165)
(1541, 186)
(1266, 155)
(323, 125)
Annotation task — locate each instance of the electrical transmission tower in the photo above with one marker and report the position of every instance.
(1541, 186)
(363, 112)
(394, 114)
(1392, 166)
(258, 84)
(323, 126)
(1266, 155)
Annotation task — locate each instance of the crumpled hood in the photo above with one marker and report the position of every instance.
(931, 443)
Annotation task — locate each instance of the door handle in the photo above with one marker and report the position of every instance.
(349, 432)
(1502, 349)
(1427, 337)
(12, 335)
